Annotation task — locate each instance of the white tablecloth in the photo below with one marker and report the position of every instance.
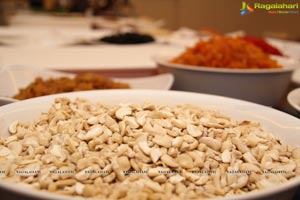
(42, 41)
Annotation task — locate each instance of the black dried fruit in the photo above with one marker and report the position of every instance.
(128, 38)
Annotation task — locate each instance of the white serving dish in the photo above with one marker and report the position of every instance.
(264, 86)
(283, 125)
(290, 49)
(15, 77)
(287, 47)
(294, 99)
(296, 77)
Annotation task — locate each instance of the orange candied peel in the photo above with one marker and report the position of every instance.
(226, 52)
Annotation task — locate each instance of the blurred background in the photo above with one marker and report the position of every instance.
(220, 15)
(77, 35)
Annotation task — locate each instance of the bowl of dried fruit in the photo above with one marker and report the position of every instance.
(147, 144)
(230, 67)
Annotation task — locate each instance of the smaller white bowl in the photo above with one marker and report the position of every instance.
(18, 76)
(294, 99)
(296, 77)
(263, 86)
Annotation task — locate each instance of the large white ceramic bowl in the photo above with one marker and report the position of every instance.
(283, 125)
(264, 86)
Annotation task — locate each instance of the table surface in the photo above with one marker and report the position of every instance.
(46, 41)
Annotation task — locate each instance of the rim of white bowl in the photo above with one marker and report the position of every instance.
(289, 65)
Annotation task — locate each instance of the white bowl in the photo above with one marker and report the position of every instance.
(296, 77)
(283, 125)
(294, 99)
(264, 86)
(17, 76)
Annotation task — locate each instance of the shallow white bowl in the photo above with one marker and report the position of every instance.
(16, 77)
(264, 86)
(283, 125)
(294, 99)
(296, 77)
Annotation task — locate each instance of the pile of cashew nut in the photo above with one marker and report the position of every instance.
(143, 151)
